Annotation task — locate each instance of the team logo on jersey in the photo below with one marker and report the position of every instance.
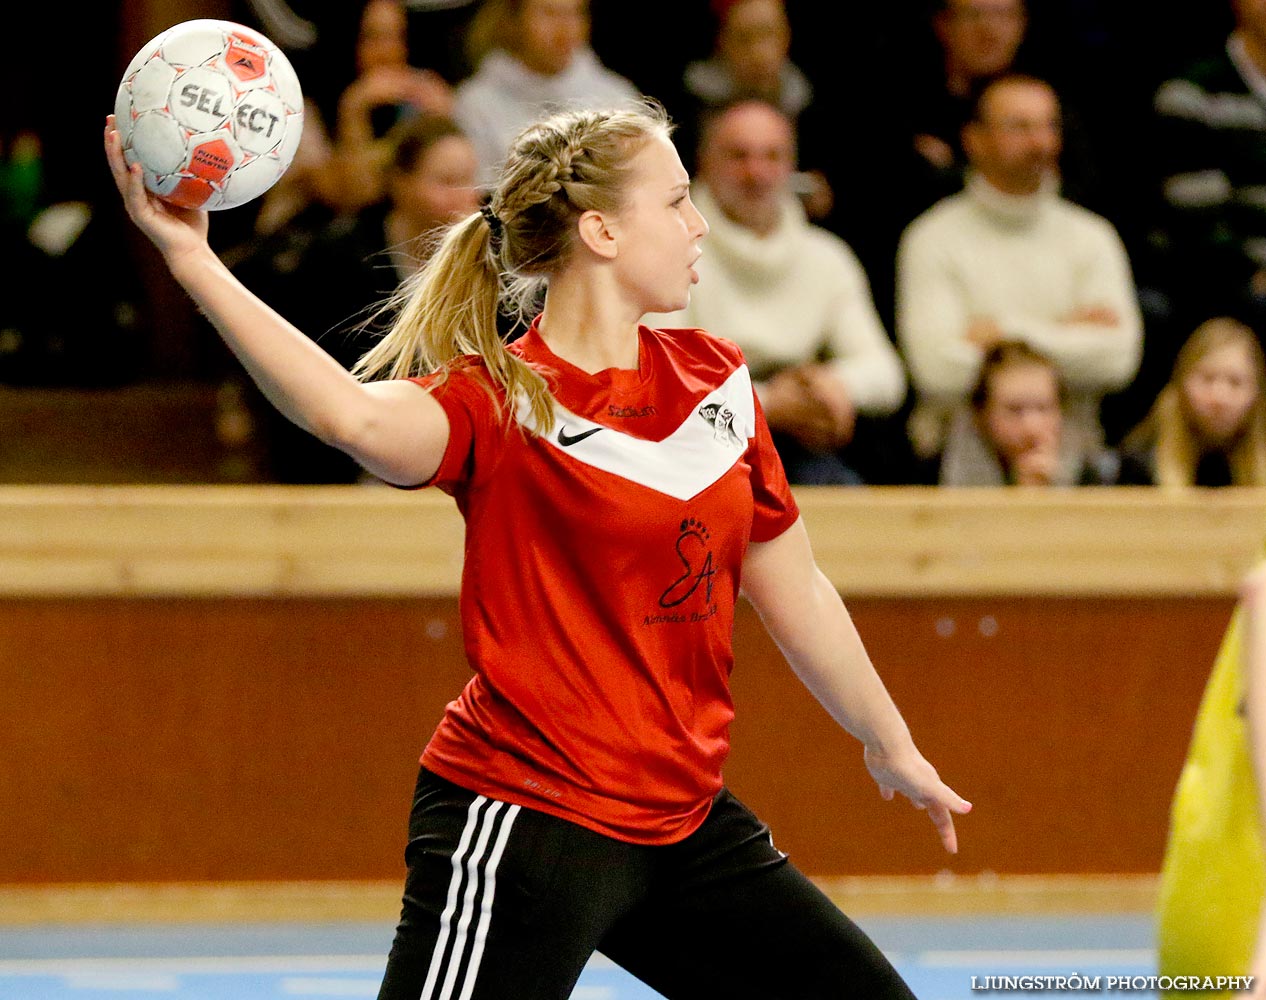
(721, 418)
(694, 549)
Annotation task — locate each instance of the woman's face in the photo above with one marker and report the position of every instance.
(1220, 391)
(657, 231)
(1022, 413)
(440, 189)
(551, 32)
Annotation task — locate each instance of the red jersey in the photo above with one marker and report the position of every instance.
(600, 577)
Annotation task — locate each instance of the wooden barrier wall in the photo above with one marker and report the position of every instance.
(235, 683)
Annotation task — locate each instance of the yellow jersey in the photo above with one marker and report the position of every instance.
(1213, 875)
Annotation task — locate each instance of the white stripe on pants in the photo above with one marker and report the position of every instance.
(475, 863)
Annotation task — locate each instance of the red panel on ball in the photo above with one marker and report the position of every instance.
(190, 192)
(244, 58)
(211, 161)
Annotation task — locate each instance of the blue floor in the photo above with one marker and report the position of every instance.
(938, 957)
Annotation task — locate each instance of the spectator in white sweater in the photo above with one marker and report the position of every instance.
(791, 295)
(1009, 259)
(533, 58)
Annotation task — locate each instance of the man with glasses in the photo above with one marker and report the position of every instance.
(1009, 259)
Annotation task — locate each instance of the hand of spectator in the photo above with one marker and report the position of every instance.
(1037, 465)
(815, 193)
(936, 151)
(312, 177)
(984, 332)
(825, 386)
(1095, 315)
(421, 88)
(792, 408)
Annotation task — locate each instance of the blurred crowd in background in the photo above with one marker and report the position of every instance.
(968, 242)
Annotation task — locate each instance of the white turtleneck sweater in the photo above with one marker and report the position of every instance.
(794, 296)
(1024, 262)
(504, 97)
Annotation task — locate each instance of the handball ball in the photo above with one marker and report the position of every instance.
(212, 111)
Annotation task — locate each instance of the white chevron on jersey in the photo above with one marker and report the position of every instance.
(693, 457)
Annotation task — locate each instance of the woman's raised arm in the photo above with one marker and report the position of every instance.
(394, 429)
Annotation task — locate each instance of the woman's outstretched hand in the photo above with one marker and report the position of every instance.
(175, 231)
(917, 780)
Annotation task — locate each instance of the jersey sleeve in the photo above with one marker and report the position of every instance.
(775, 508)
(476, 428)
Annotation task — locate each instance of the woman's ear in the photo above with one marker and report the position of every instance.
(597, 235)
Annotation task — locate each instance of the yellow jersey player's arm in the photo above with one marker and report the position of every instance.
(1254, 593)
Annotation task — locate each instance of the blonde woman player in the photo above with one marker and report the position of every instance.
(617, 483)
(1210, 919)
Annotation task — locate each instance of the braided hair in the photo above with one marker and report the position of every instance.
(501, 256)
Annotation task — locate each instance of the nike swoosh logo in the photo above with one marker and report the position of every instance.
(567, 440)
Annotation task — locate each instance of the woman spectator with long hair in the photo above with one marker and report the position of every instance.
(1208, 425)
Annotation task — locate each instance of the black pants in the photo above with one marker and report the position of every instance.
(505, 903)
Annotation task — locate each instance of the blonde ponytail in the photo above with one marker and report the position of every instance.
(447, 311)
(556, 170)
